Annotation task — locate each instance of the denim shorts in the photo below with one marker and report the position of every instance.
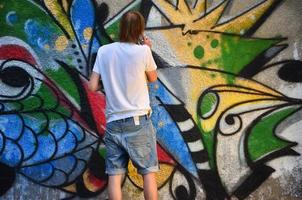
(124, 140)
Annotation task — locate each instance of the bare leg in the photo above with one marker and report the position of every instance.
(150, 186)
(115, 187)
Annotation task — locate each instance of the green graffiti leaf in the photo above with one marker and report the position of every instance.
(68, 84)
(237, 52)
(209, 143)
(209, 139)
(262, 140)
(208, 104)
(113, 31)
(46, 101)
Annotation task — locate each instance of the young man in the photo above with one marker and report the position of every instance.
(125, 67)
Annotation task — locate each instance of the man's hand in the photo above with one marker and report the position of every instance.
(147, 41)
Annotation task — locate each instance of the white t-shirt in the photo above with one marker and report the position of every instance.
(122, 67)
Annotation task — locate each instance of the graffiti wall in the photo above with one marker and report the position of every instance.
(226, 107)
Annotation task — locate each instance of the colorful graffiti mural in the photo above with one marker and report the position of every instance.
(217, 125)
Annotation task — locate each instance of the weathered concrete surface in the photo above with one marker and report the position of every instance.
(285, 181)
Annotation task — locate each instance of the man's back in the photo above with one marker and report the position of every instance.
(122, 67)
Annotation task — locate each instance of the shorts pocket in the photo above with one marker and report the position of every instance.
(139, 146)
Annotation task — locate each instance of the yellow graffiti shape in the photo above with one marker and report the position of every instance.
(194, 49)
(246, 20)
(87, 33)
(161, 176)
(65, 5)
(210, 20)
(182, 14)
(245, 93)
(46, 46)
(89, 185)
(57, 11)
(194, 19)
(61, 43)
(71, 188)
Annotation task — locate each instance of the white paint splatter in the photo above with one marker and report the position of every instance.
(296, 51)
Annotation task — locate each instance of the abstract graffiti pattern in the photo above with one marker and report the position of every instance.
(220, 121)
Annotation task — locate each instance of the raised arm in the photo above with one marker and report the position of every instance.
(93, 84)
(151, 66)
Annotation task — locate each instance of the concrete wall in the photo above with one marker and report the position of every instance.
(226, 107)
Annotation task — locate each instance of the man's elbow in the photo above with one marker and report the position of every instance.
(151, 76)
(152, 79)
(92, 88)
